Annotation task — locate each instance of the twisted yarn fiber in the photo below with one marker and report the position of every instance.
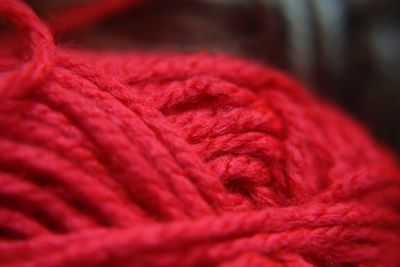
(135, 159)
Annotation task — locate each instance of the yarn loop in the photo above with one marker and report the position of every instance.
(29, 74)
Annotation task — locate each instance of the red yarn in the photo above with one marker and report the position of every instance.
(111, 159)
(27, 75)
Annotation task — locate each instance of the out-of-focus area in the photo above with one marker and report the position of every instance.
(346, 50)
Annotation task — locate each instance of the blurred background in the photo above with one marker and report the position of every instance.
(348, 51)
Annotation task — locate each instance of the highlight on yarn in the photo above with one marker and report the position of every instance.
(158, 157)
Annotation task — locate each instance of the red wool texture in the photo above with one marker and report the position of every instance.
(146, 159)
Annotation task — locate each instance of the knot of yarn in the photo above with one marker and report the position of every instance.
(151, 159)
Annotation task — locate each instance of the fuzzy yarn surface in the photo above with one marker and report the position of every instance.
(146, 159)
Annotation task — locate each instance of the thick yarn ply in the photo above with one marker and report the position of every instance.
(145, 159)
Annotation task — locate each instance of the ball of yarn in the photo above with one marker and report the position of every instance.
(165, 159)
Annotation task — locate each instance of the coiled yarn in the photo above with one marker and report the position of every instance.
(167, 159)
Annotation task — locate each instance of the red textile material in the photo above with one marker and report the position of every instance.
(135, 159)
